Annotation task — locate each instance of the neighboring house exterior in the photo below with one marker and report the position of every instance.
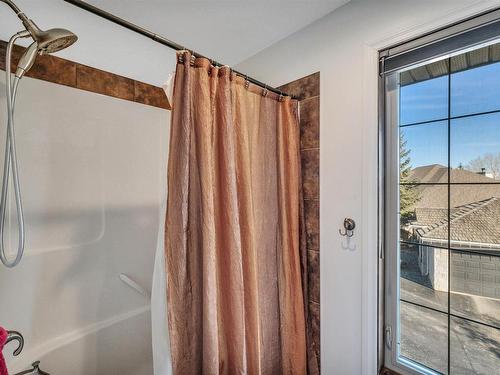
(475, 227)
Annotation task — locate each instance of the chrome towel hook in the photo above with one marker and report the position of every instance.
(16, 336)
(349, 226)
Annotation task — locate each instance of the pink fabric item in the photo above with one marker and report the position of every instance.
(3, 338)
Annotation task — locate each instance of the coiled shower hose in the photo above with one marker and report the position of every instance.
(10, 162)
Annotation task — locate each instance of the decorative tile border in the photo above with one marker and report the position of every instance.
(65, 72)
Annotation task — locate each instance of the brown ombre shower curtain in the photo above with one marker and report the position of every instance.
(234, 278)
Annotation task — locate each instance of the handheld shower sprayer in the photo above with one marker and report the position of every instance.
(27, 60)
(49, 41)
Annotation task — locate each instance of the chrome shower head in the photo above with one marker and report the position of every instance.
(49, 41)
(52, 40)
(56, 40)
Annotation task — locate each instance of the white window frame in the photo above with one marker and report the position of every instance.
(389, 179)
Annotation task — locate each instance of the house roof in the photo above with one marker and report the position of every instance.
(474, 208)
(477, 222)
(436, 173)
(436, 196)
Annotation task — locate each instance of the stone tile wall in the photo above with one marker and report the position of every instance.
(307, 91)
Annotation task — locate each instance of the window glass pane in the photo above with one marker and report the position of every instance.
(424, 336)
(423, 153)
(475, 286)
(475, 148)
(468, 199)
(475, 348)
(475, 217)
(422, 206)
(424, 101)
(475, 90)
(424, 256)
(424, 276)
(475, 270)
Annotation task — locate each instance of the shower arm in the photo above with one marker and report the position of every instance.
(27, 23)
(12, 5)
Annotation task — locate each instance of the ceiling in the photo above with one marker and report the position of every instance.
(228, 31)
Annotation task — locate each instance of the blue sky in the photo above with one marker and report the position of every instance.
(472, 91)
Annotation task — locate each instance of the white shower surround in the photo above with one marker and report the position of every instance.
(93, 171)
(119, 345)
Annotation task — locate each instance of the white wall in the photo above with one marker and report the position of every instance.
(342, 46)
(93, 176)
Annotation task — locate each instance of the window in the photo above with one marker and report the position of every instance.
(442, 214)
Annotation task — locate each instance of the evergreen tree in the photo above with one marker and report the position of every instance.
(408, 194)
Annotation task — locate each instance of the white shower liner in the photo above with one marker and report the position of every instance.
(159, 322)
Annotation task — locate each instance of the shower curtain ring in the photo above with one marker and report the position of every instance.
(265, 91)
(181, 53)
(247, 82)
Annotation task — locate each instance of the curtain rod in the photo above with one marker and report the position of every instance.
(160, 39)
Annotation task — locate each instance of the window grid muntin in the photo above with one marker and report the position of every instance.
(474, 252)
(451, 118)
